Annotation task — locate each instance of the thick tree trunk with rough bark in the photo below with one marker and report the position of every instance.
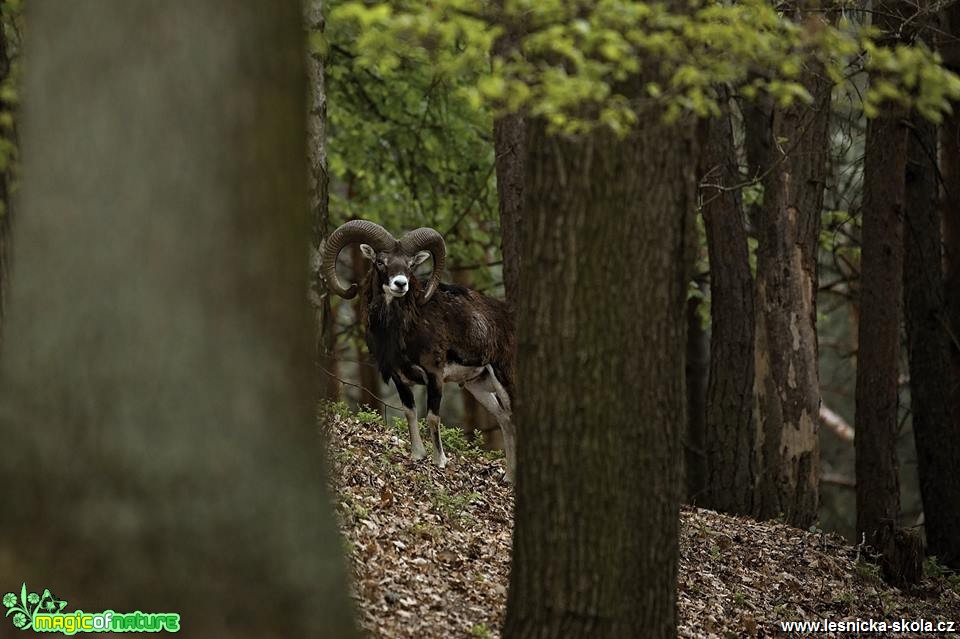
(928, 349)
(878, 355)
(160, 450)
(793, 149)
(731, 430)
(326, 337)
(606, 252)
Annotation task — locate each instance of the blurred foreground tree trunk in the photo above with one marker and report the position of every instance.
(606, 250)
(159, 448)
(793, 165)
(928, 348)
(730, 427)
(326, 336)
(7, 27)
(878, 355)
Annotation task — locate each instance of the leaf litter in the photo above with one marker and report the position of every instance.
(429, 553)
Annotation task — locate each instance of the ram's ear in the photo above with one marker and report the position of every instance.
(420, 258)
(368, 251)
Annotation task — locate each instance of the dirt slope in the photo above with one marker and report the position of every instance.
(430, 549)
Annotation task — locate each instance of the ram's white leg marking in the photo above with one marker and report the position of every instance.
(499, 390)
(417, 449)
(433, 421)
(485, 390)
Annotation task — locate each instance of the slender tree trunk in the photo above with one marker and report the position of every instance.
(368, 375)
(509, 134)
(606, 261)
(878, 483)
(697, 371)
(928, 349)
(950, 170)
(159, 441)
(731, 431)
(319, 204)
(788, 229)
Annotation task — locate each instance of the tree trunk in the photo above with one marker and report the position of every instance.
(878, 482)
(159, 437)
(319, 204)
(606, 261)
(928, 344)
(6, 177)
(697, 371)
(368, 375)
(950, 171)
(731, 431)
(788, 229)
(509, 133)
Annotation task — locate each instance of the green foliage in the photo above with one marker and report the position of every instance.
(452, 506)
(368, 416)
(935, 570)
(406, 146)
(577, 63)
(480, 631)
(868, 571)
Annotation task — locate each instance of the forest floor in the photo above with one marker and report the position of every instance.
(429, 552)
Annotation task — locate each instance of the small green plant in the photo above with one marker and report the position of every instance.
(934, 569)
(868, 571)
(452, 505)
(480, 631)
(715, 552)
(368, 416)
(739, 599)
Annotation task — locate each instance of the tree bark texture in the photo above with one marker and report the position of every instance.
(878, 482)
(509, 134)
(157, 415)
(326, 337)
(928, 348)
(606, 260)
(788, 229)
(730, 426)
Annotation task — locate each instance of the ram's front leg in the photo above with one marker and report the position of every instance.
(417, 449)
(434, 395)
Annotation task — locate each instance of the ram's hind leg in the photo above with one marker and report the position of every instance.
(417, 449)
(434, 395)
(485, 390)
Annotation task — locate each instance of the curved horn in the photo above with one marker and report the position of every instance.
(427, 239)
(350, 233)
